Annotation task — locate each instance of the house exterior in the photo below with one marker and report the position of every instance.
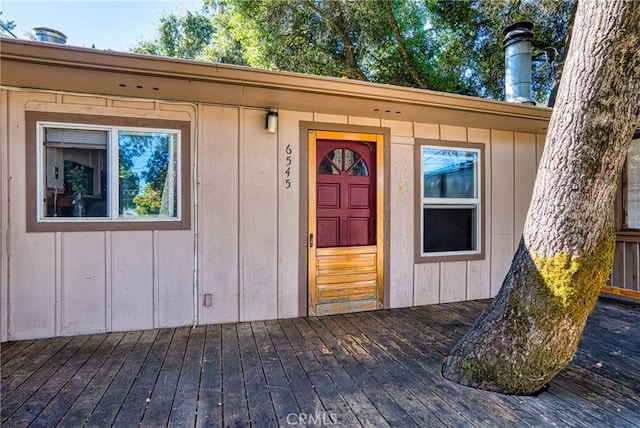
(140, 192)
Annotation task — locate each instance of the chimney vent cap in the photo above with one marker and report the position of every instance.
(46, 34)
(517, 32)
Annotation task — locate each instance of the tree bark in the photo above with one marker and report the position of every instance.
(531, 329)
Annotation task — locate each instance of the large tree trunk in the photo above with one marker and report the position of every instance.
(532, 328)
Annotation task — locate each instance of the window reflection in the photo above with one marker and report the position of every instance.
(147, 174)
(449, 173)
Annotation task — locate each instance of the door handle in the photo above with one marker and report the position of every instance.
(311, 240)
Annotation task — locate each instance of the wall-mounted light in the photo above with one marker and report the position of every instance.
(271, 123)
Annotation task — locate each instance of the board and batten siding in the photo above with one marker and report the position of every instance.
(625, 278)
(511, 160)
(247, 217)
(69, 283)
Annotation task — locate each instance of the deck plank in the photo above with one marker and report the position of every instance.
(380, 368)
(335, 406)
(210, 388)
(139, 396)
(164, 389)
(185, 403)
(234, 399)
(39, 400)
(17, 353)
(430, 365)
(303, 391)
(282, 397)
(24, 365)
(20, 397)
(77, 381)
(408, 403)
(261, 410)
(85, 404)
(116, 394)
(357, 399)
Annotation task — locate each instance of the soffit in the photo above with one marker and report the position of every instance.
(47, 66)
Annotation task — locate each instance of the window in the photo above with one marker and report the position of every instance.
(631, 188)
(94, 175)
(449, 191)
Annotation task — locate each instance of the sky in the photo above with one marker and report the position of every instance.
(107, 24)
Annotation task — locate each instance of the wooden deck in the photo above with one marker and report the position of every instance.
(367, 369)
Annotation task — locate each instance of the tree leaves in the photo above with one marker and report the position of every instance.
(450, 46)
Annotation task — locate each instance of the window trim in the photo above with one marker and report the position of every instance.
(419, 201)
(34, 223)
(621, 208)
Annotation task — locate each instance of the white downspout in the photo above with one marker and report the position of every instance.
(196, 303)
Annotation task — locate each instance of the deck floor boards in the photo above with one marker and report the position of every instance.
(369, 369)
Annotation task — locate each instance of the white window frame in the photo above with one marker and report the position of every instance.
(112, 182)
(453, 202)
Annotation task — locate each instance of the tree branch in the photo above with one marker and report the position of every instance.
(340, 27)
(406, 57)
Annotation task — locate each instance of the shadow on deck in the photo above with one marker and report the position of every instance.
(367, 369)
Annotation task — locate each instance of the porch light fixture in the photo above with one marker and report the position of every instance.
(271, 123)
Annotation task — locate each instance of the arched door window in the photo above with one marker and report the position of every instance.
(343, 161)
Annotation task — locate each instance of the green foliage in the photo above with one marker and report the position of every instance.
(450, 46)
(476, 29)
(78, 180)
(149, 201)
(154, 150)
(184, 36)
(6, 27)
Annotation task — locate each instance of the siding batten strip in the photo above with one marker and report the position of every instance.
(108, 280)
(156, 280)
(59, 304)
(241, 315)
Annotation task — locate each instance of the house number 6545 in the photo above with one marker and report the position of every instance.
(287, 172)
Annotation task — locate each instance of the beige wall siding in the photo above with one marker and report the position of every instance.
(479, 271)
(33, 268)
(291, 300)
(509, 174)
(401, 279)
(83, 282)
(258, 218)
(248, 223)
(68, 283)
(502, 206)
(4, 212)
(174, 271)
(218, 216)
(525, 169)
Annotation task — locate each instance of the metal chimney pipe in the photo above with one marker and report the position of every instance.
(46, 34)
(518, 47)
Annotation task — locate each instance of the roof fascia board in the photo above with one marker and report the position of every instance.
(83, 58)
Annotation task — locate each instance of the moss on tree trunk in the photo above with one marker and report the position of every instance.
(532, 328)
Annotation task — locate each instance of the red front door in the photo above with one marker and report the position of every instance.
(346, 193)
(346, 222)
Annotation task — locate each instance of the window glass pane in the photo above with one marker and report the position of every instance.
(449, 229)
(147, 174)
(327, 168)
(76, 182)
(332, 163)
(349, 158)
(633, 186)
(359, 169)
(449, 173)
